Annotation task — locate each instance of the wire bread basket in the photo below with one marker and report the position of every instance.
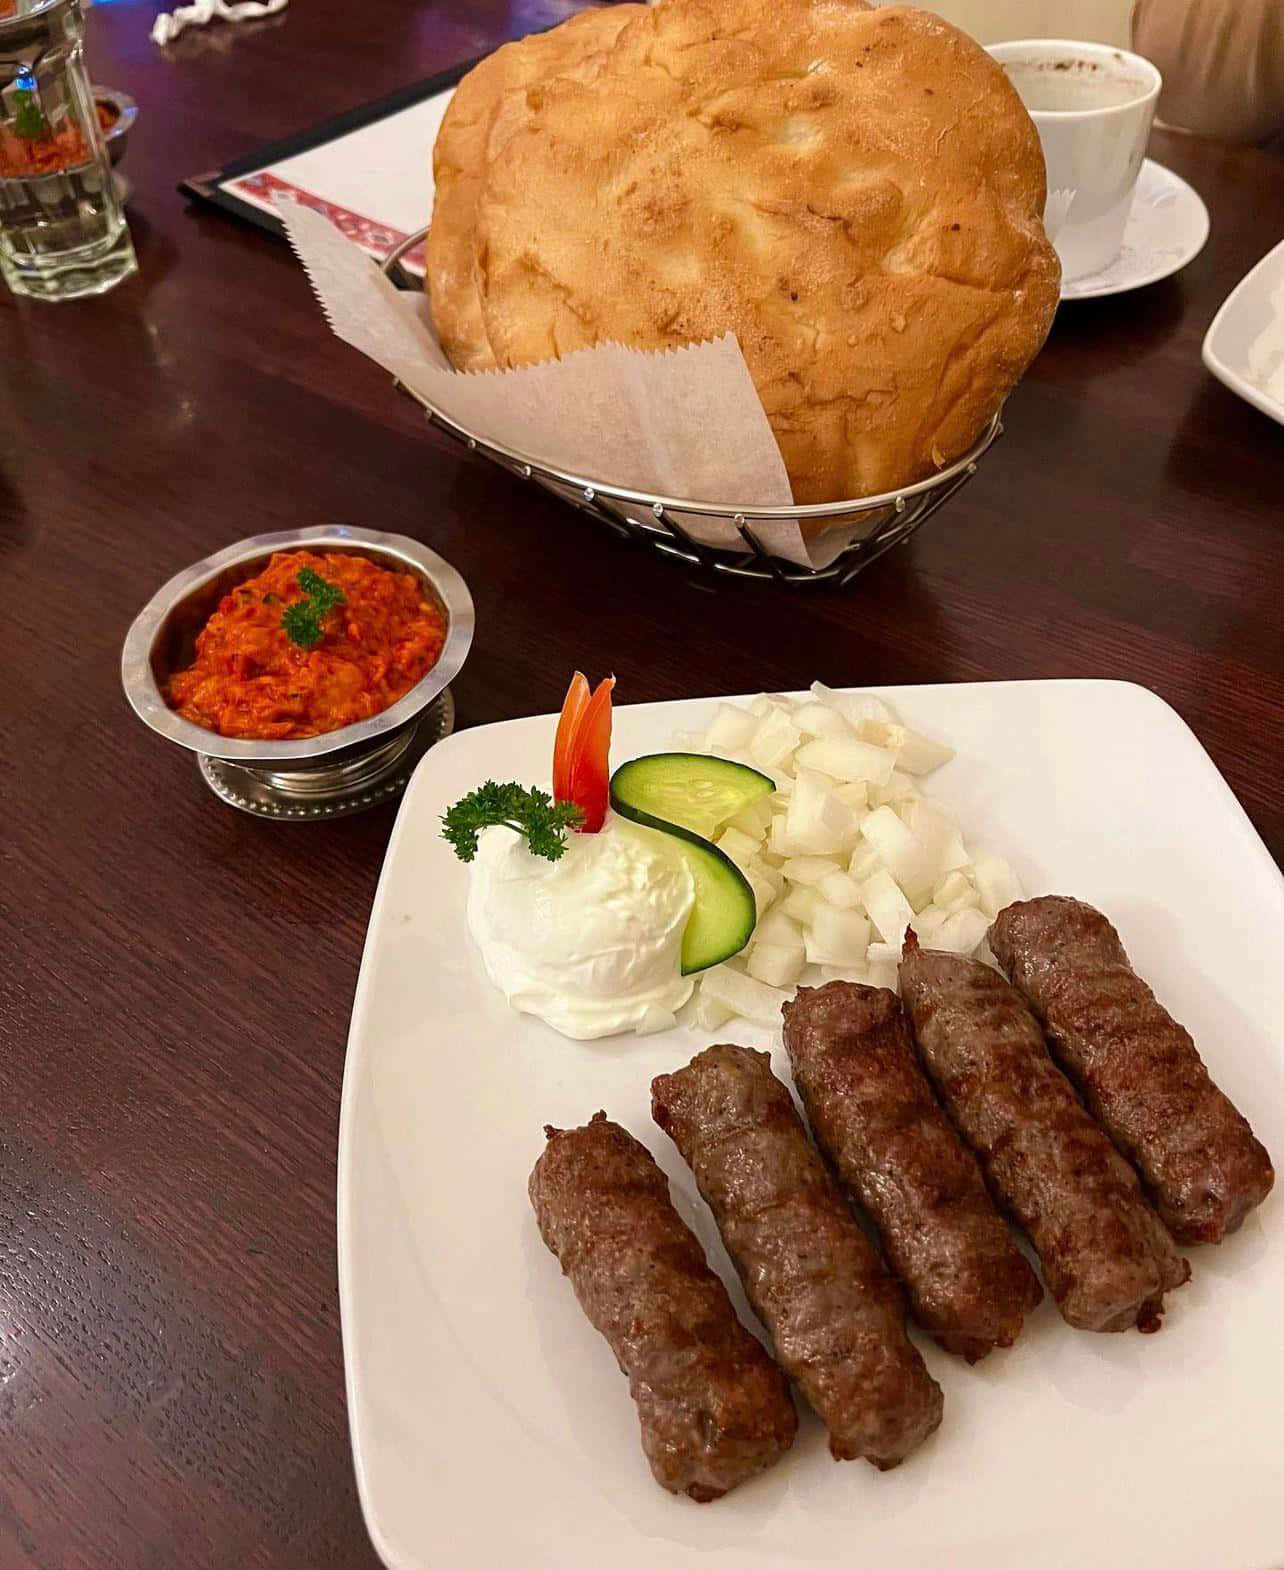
(674, 526)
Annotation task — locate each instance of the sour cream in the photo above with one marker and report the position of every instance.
(590, 943)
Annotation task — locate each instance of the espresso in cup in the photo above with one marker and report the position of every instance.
(1092, 106)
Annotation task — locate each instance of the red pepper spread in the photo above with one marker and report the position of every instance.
(252, 679)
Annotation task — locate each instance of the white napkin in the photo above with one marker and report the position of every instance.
(169, 25)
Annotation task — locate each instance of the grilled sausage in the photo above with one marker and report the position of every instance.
(713, 1406)
(895, 1151)
(812, 1275)
(1135, 1066)
(1106, 1257)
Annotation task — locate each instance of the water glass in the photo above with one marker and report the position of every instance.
(62, 232)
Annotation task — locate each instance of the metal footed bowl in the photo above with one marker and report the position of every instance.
(342, 771)
(682, 529)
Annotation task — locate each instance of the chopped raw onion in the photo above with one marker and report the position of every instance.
(841, 889)
(801, 903)
(888, 908)
(738, 845)
(731, 730)
(901, 853)
(707, 1013)
(779, 929)
(836, 937)
(844, 856)
(819, 719)
(996, 883)
(774, 740)
(808, 870)
(751, 999)
(963, 932)
(848, 759)
(778, 967)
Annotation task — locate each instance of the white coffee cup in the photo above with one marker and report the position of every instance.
(1092, 107)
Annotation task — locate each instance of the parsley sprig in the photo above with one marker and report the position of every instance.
(533, 813)
(302, 620)
(29, 120)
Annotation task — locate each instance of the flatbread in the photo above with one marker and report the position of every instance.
(856, 193)
(489, 104)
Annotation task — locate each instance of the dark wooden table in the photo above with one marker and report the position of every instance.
(177, 978)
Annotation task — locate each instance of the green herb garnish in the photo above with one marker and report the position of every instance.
(28, 120)
(533, 813)
(302, 620)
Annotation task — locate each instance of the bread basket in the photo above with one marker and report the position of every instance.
(666, 523)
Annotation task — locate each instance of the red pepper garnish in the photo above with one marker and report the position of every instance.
(582, 752)
(573, 706)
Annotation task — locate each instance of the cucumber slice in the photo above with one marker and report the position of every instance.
(690, 789)
(696, 790)
(724, 913)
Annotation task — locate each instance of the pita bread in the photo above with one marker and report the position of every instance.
(488, 105)
(856, 193)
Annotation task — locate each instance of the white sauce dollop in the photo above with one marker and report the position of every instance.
(591, 943)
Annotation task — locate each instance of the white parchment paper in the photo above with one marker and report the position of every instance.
(685, 422)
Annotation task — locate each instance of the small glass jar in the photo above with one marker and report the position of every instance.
(62, 231)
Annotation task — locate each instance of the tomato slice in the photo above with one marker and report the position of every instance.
(590, 764)
(573, 707)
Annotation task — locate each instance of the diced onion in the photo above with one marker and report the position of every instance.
(836, 937)
(816, 821)
(755, 819)
(764, 888)
(738, 845)
(707, 1013)
(883, 973)
(841, 889)
(778, 928)
(800, 903)
(808, 870)
(774, 740)
(996, 883)
(962, 932)
(853, 706)
(854, 793)
(820, 719)
(901, 852)
(956, 891)
(844, 759)
(844, 856)
(778, 967)
(744, 995)
(888, 908)
(927, 923)
(731, 729)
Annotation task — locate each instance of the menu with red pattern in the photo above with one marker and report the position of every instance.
(374, 182)
(369, 171)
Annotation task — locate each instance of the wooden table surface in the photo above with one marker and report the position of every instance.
(177, 977)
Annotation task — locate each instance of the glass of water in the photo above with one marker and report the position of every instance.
(62, 232)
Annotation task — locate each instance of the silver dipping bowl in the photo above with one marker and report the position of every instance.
(126, 113)
(342, 771)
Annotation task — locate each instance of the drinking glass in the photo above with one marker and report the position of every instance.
(62, 232)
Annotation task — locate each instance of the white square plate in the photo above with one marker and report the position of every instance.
(1244, 347)
(490, 1425)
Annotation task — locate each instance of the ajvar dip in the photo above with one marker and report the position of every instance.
(250, 679)
(49, 150)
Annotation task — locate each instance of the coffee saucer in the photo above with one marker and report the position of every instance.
(1167, 228)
